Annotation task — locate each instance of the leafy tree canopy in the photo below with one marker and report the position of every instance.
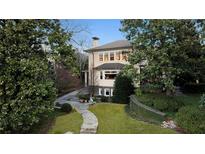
(170, 48)
(27, 50)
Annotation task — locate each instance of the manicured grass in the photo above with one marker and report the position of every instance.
(67, 122)
(113, 119)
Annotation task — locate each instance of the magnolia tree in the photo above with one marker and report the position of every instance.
(26, 86)
(170, 48)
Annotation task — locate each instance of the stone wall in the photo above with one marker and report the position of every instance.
(144, 112)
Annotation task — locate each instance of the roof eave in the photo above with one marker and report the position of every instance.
(95, 50)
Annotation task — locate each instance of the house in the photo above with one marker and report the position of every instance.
(105, 62)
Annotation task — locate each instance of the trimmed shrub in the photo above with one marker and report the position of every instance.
(104, 99)
(191, 119)
(194, 88)
(123, 88)
(58, 104)
(66, 108)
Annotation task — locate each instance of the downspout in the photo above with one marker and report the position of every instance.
(93, 75)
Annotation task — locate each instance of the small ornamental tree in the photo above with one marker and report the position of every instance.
(27, 88)
(123, 88)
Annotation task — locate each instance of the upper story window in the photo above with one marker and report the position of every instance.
(125, 55)
(118, 55)
(100, 56)
(105, 56)
(110, 75)
(112, 56)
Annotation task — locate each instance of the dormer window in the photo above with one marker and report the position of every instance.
(112, 56)
(100, 56)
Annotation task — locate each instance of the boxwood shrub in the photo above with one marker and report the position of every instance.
(191, 119)
(66, 108)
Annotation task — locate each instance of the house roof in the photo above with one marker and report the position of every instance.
(110, 66)
(120, 44)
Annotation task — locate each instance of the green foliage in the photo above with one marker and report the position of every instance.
(170, 48)
(138, 92)
(166, 103)
(104, 99)
(123, 88)
(162, 106)
(191, 119)
(202, 101)
(84, 96)
(27, 49)
(66, 108)
(151, 88)
(58, 104)
(194, 87)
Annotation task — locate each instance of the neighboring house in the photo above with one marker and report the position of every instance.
(105, 62)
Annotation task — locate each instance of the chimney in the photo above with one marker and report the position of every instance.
(95, 42)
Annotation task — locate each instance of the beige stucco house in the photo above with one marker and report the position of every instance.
(105, 62)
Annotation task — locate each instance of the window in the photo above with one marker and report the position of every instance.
(100, 91)
(106, 92)
(106, 57)
(118, 55)
(124, 56)
(111, 92)
(100, 56)
(112, 56)
(110, 75)
(101, 75)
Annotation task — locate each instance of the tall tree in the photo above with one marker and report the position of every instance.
(26, 87)
(170, 48)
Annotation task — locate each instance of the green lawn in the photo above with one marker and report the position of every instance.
(113, 119)
(67, 122)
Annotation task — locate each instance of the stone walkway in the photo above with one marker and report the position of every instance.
(90, 122)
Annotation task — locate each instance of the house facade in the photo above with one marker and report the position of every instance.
(105, 62)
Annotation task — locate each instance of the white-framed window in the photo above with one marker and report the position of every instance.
(101, 75)
(110, 75)
(118, 55)
(112, 56)
(111, 92)
(100, 91)
(106, 56)
(125, 55)
(100, 56)
(106, 92)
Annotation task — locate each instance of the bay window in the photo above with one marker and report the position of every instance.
(110, 75)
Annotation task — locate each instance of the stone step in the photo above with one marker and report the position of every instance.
(88, 131)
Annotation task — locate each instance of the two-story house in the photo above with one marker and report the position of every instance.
(105, 62)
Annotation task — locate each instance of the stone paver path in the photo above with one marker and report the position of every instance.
(90, 122)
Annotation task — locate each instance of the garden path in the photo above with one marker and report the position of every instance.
(90, 121)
